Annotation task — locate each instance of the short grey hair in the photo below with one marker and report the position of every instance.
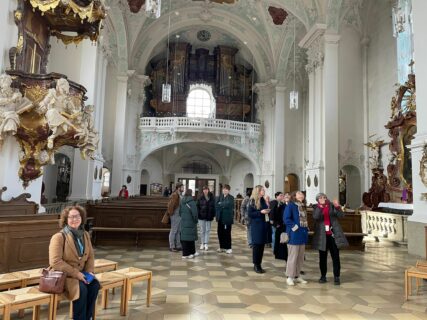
(320, 194)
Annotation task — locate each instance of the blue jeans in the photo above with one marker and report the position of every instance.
(175, 232)
(273, 236)
(249, 235)
(205, 229)
(84, 306)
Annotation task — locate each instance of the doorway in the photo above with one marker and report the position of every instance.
(197, 184)
(291, 183)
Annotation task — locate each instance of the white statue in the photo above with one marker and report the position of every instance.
(59, 110)
(88, 135)
(12, 104)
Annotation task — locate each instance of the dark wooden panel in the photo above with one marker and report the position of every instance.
(26, 243)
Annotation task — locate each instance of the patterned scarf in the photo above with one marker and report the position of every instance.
(302, 209)
(78, 236)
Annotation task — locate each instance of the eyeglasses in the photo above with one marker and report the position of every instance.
(76, 217)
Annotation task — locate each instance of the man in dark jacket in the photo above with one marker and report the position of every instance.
(225, 216)
(328, 235)
(206, 209)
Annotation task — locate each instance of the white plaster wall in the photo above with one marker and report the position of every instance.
(238, 173)
(109, 113)
(65, 59)
(350, 110)
(8, 33)
(154, 168)
(382, 70)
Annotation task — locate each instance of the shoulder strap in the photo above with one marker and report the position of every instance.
(63, 236)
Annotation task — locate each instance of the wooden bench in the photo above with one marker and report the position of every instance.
(23, 298)
(413, 272)
(112, 280)
(134, 275)
(95, 230)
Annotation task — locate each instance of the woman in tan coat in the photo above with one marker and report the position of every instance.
(71, 251)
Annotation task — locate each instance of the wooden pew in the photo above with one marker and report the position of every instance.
(128, 222)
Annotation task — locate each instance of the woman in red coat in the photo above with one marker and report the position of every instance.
(124, 193)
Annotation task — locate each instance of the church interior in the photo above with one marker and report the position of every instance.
(112, 104)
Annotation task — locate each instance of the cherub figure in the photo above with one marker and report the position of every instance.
(12, 104)
(59, 110)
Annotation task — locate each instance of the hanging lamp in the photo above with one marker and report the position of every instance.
(293, 95)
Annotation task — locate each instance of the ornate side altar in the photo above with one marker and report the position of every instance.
(389, 200)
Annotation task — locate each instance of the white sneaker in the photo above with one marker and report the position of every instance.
(196, 254)
(229, 251)
(187, 257)
(300, 280)
(206, 247)
(290, 282)
(219, 250)
(202, 246)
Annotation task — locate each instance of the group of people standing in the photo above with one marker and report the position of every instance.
(284, 220)
(185, 213)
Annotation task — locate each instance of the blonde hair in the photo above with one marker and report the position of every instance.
(255, 196)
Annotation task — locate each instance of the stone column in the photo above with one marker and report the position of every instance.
(86, 179)
(366, 169)
(416, 222)
(279, 139)
(266, 115)
(322, 165)
(118, 177)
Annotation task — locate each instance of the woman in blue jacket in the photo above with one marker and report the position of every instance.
(295, 218)
(258, 213)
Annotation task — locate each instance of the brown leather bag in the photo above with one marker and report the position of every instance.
(166, 219)
(53, 281)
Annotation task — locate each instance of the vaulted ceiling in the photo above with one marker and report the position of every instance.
(253, 26)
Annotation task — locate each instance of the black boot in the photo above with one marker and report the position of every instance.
(337, 281)
(258, 269)
(322, 279)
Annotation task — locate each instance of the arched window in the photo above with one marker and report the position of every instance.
(200, 102)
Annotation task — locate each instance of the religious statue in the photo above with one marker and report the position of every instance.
(88, 135)
(375, 152)
(394, 108)
(12, 104)
(59, 110)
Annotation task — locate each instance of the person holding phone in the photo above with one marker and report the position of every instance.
(328, 235)
(71, 252)
(258, 213)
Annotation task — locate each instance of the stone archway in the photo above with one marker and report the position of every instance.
(248, 183)
(144, 189)
(291, 183)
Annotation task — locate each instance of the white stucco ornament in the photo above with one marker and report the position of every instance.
(12, 103)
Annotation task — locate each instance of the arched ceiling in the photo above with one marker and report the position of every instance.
(246, 24)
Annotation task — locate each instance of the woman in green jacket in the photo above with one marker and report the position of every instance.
(189, 219)
(225, 217)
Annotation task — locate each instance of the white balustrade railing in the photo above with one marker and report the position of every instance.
(383, 225)
(225, 126)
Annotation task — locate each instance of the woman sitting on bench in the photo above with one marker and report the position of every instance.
(70, 251)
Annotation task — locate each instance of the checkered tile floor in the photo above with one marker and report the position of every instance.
(219, 286)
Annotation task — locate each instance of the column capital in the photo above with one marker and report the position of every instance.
(332, 38)
(122, 78)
